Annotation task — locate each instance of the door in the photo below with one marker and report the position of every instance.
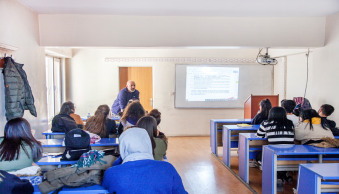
(143, 82)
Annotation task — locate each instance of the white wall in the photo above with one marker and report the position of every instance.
(151, 31)
(20, 28)
(91, 82)
(323, 70)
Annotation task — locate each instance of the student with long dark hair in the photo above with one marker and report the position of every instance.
(311, 128)
(100, 124)
(63, 122)
(161, 140)
(277, 128)
(264, 106)
(159, 146)
(18, 148)
(132, 113)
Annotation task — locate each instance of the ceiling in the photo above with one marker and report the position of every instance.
(200, 8)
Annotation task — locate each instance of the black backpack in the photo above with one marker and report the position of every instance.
(77, 142)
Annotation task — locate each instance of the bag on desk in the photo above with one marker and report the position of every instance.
(77, 142)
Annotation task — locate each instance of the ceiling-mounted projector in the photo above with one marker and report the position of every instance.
(265, 59)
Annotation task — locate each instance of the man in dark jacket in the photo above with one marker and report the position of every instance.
(124, 96)
(18, 93)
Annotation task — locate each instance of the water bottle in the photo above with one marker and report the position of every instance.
(89, 115)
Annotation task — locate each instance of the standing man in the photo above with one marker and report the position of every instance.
(124, 96)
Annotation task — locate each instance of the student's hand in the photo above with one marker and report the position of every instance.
(34, 164)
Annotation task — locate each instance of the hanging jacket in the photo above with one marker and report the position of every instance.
(75, 177)
(63, 123)
(18, 93)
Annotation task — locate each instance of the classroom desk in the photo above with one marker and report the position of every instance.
(55, 161)
(60, 135)
(216, 126)
(310, 178)
(270, 158)
(249, 146)
(230, 139)
(55, 145)
(81, 190)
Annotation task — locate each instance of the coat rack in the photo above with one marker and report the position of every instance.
(6, 50)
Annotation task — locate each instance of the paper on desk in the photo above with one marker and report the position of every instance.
(244, 125)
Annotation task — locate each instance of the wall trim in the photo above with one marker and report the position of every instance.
(181, 60)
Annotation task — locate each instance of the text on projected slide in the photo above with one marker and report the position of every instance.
(212, 83)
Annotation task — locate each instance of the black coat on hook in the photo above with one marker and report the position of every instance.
(18, 93)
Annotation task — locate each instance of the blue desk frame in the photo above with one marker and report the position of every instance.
(229, 143)
(310, 177)
(58, 142)
(246, 153)
(49, 160)
(270, 158)
(50, 134)
(214, 123)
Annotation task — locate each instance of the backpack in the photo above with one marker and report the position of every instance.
(77, 142)
(12, 184)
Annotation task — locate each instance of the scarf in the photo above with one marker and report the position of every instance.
(315, 120)
(135, 144)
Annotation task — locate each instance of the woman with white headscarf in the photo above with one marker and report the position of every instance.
(139, 172)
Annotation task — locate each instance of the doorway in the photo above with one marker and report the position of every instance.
(143, 82)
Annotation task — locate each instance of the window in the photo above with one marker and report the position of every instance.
(53, 86)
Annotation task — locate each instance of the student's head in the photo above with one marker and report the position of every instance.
(67, 108)
(309, 115)
(135, 144)
(150, 124)
(288, 105)
(133, 111)
(16, 132)
(277, 113)
(156, 114)
(326, 110)
(130, 86)
(278, 116)
(96, 124)
(265, 106)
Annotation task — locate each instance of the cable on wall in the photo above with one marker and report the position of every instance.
(307, 55)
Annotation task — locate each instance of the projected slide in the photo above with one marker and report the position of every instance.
(211, 83)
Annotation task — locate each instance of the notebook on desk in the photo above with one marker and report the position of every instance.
(244, 125)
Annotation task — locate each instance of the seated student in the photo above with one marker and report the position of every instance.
(311, 128)
(18, 148)
(139, 173)
(77, 119)
(289, 106)
(160, 146)
(132, 113)
(99, 123)
(325, 111)
(278, 130)
(62, 122)
(161, 137)
(264, 106)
